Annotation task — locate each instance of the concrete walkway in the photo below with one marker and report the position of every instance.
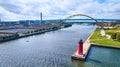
(86, 48)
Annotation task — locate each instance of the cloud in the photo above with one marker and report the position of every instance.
(52, 9)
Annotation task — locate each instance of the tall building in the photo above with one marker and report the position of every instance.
(0, 22)
(41, 17)
(41, 21)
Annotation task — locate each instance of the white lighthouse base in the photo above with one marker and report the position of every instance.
(76, 56)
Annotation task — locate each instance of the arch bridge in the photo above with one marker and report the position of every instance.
(98, 23)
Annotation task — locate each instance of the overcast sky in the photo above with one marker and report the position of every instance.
(57, 9)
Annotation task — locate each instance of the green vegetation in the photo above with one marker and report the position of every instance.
(9, 37)
(115, 33)
(118, 37)
(97, 39)
(113, 36)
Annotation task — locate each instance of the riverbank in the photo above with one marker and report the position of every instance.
(30, 33)
(17, 37)
(99, 45)
(103, 41)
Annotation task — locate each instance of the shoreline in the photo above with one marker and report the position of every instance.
(108, 41)
(5, 40)
(105, 46)
(35, 33)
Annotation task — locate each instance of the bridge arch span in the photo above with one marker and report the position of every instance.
(98, 23)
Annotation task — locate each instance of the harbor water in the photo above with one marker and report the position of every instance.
(54, 49)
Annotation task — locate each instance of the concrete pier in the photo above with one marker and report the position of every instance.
(86, 48)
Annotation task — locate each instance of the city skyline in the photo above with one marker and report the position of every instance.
(30, 10)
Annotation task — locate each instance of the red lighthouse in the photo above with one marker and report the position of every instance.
(80, 47)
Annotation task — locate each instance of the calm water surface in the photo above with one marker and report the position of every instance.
(54, 49)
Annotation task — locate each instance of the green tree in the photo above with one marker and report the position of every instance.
(113, 36)
(118, 37)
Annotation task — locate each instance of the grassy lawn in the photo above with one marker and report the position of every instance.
(96, 38)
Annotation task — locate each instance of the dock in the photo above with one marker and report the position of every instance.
(86, 47)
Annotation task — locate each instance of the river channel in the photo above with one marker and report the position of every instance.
(54, 49)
